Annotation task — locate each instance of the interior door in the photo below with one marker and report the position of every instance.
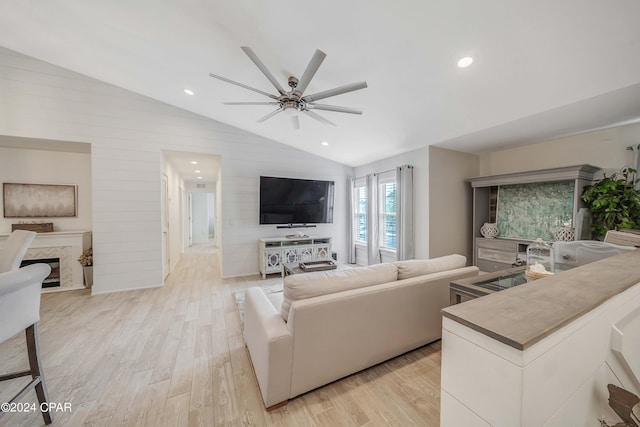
(199, 218)
(189, 198)
(166, 259)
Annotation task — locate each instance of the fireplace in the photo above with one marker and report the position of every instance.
(61, 250)
(53, 279)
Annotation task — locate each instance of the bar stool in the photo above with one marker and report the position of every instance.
(20, 311)
(14, 249)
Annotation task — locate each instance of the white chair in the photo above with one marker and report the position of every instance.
(14, 249)
(20, 311)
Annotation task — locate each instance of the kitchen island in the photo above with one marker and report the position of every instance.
(545, 351)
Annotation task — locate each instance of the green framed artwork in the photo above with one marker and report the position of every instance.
(529, 211)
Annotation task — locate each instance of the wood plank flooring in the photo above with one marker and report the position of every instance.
(175, 356)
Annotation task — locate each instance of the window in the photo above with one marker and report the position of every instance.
(360, 212)
(388, 213)
(380, 212)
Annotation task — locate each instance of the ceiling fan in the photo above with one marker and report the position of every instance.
(293, 100)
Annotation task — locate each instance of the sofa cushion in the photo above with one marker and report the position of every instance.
(276, 299)
(419, 267)
(308, 285)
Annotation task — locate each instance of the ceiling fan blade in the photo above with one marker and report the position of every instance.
(336, 91)
(263, 68)
(296, 122)
(309, 72)
(333, 108)
(271, 114)
(319, 118)
(251, 103)
(224, 79)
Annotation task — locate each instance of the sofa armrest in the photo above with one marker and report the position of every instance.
(270, 345)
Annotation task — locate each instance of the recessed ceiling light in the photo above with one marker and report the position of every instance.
(193, 162)
(199, 177)
(197, 171)
(188, 91)
(465, 62)
(325, 143)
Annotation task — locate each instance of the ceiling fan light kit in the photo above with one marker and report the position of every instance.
(293, 100)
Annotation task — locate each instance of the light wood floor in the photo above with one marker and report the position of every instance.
(175, 356)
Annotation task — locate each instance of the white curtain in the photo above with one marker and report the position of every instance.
(373, 234)
(404, 213)
(351, 255)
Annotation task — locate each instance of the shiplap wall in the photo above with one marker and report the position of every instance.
(127, 133)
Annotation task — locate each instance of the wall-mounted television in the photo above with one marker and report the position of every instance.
(295, 201)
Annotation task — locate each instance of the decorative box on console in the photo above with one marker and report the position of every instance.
(45, 227)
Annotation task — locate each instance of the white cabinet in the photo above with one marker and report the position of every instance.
(275, 251)
(501, 252)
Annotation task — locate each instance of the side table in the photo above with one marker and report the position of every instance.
(473, 287)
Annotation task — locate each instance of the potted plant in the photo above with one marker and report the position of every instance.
(86, 260)
(614, 202)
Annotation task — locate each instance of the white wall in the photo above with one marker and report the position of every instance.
(419, 159)
(48, 167)
(128, 133)
(450, 202)
(442, 199)
(605, 149)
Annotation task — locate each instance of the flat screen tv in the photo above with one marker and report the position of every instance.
(295, 201)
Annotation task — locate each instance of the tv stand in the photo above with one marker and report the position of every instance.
(276, 251)
(296, 226)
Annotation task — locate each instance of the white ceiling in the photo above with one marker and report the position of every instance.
(542, 68)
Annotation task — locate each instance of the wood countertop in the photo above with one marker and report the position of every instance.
(523, 315)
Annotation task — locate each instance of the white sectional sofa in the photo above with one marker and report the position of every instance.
(327, 325)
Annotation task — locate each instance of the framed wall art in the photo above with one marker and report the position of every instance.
(529, 211)
(39, 200)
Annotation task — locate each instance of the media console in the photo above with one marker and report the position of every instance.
(276, 251)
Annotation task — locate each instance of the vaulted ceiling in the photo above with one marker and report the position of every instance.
(542, 69)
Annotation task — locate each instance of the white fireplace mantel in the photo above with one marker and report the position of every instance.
(65, 245)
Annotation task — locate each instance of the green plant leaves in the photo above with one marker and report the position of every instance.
(614, 202)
